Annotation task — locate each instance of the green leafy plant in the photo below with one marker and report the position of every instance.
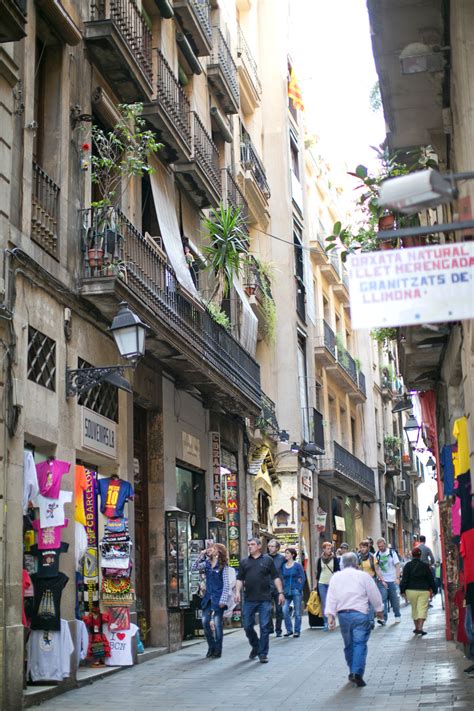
(227, 248)
(357, 363)
(265, 275)
(218, 315)
(342, 354)
(392, 447)
(381, 335)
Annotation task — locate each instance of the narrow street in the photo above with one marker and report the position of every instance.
(402, 672)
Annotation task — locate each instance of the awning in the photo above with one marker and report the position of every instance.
(164, 198)
(248, 321)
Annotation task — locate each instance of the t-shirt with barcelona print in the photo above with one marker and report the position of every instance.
(114, 492)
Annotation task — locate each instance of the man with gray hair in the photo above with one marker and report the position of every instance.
(273, 548)
(349, 594)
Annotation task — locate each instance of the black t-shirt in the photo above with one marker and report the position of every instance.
(48, 560)
(257, 575)
(47, 612)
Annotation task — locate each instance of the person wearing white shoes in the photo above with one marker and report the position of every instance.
(389, 563)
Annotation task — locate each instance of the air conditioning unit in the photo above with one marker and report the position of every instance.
(402, 485)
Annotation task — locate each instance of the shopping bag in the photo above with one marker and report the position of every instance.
(314, 604)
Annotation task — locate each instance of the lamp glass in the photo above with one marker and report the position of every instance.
(129, 333)
(412, 430)
(295, 448)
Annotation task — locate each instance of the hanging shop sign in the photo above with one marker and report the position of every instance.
(340, 523)
(401, 287)
(216, 489)
(191, 449)
(99, 433)
(321, 518)
(233, 519)
(306, 481)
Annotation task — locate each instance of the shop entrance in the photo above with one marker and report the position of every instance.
(142, 554)
(306, 557)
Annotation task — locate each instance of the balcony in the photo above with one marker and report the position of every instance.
(386, 385)
(253, 183)
(200, 174)
(258, 289)
(195, 19)
(325, 348)
(222, 73)
(45, 211)
(331, 269)
(170, 113)
(318, 248)
(339, 364)
(119, 42)
(347, 473)
(202, 355)
(12, 20)
(267, 423)
(250, 86)
(341, 288)
(233, 195)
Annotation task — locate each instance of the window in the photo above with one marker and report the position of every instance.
(263, 508)
(294, 154)
(190, 496)
(299, 272)
(103, 398)
(303, 388)
(41, 359)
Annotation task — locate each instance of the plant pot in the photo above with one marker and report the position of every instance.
(406, 459)
(95, 255)
(411, 241)
(387, 222)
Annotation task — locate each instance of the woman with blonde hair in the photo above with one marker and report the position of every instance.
(214, 563)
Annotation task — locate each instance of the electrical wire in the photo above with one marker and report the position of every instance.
(280, 239)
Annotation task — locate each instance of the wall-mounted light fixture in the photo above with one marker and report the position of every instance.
(129, 334)
(412, 430)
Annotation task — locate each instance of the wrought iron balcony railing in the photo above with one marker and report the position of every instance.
(352, 467)
(113, 247)
(233, 194)
(268, 419)
(329, 338)
(250, 161)
(202, 12)
(222, 58)
(257, 282)
(245, 54)
(130, 23)
(205, 152)
(173, 99)
(45, 211)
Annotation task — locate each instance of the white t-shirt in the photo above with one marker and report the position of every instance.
(120, 646)
(49, 654)
(52, 510)
(30, 480)
(81, 544)
(387, 562)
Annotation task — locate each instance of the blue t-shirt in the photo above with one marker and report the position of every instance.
(448, 469)
(114, 493)
(293, 578)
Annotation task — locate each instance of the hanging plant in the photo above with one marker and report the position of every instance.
(381, 335)
(218, 315)
(265, 275)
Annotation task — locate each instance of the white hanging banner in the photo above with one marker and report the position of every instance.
(402, 287)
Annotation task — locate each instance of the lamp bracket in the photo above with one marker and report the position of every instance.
(80, 380)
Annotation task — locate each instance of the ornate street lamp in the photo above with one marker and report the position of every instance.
(129, 334)
(412, 430)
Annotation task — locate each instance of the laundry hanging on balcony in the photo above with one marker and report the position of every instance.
(164, 198)
(248, 321)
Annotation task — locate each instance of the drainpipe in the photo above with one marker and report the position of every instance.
(188, 53)
(165, 9)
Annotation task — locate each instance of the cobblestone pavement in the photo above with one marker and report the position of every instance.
(403, 672)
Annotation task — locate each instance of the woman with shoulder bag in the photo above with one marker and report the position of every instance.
(294, 578)
(214, 563)
(327, 565)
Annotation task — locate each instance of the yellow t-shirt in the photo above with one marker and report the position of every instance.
(366, 566)
(461, 457)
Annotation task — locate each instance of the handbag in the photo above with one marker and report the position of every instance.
(314, 604)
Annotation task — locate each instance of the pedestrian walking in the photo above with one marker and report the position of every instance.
(426, 552)
(349, 595)
(214, 563)
(294, 578)
(371, 545)
(389, 564)
(256, 573)
(418, 586)
(278, 558)
(327, 565)
(368, 563)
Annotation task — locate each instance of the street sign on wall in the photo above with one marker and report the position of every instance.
(402, 287)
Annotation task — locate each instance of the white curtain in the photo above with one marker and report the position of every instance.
(309, 286)
(248, 321)
(164, 197)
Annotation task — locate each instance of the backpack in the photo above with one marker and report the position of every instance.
(231, 603)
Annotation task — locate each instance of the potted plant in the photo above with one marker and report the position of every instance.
(264, 273)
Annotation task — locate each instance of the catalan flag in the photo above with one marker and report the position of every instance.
(294, 92)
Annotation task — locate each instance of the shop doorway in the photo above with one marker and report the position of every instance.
(142, 553)
(306, 557)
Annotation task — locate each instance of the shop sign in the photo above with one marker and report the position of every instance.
(401, 287)
(99, 433)
(216, 492)
(306, 479)
(340, 523)
(288, 540)
(191, 449)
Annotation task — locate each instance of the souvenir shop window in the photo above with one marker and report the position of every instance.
(102, 399)
(190, 497)
(41, 361)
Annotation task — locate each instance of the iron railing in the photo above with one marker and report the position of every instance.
(21, 5)
(329, 338)
(347, 362)
(257, 283)
(250, 161)
(173, 99)
(243, 51)
(222, 57)
(128, 255)
(205, 152)
(268, 419)
(353, 468)
(232, 193)
(130, 22)
(361, 382)
(45, 211)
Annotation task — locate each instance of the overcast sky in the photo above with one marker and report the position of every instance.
(333, 59)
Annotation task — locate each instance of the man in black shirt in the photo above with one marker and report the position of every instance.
(256, 574)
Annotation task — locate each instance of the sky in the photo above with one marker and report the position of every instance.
(333, 60)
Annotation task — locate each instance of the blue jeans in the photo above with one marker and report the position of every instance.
(264, 610)
(323, 593)
(469, 628)
(296, 599)
(214, 637)
(390, 593)
(355, 630)
(278, 614)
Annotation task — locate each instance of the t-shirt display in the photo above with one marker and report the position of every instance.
(49, 537)
(121, 646)
(80, 486)
(114, 492)
(52, 510)
(30, 480)
(47, 610)
(48, 560)
(387, 561)
(467, 552)
(49, 654)
(461, 457)
(49, 475)
(448, 469)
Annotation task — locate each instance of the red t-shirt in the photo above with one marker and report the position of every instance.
(467, 552)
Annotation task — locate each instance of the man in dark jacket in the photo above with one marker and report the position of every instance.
(273, 548)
